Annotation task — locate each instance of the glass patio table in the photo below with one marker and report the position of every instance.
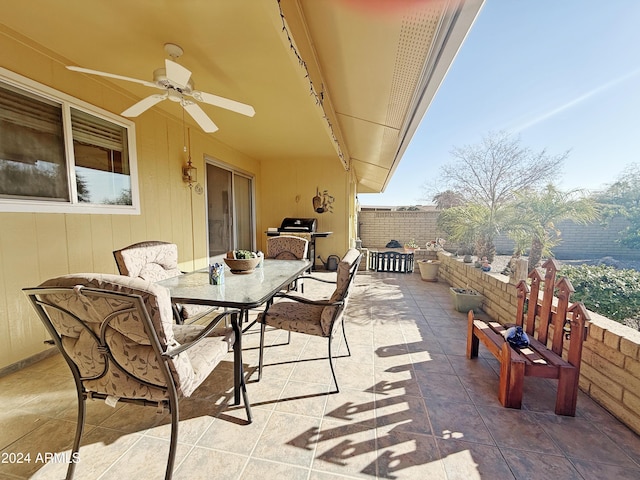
(241, 291)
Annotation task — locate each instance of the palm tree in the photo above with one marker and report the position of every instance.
(474, 226)
(538, 213)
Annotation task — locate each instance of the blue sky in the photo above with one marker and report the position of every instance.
(559, 74)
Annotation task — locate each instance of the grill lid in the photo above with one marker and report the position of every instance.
(298, 225)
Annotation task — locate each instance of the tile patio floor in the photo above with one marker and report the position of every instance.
(411, 406)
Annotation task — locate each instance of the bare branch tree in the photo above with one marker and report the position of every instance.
(492, 171)
(490, 174)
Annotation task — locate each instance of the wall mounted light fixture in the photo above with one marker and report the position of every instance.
(189, 172)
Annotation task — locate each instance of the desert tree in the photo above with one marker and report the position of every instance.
(491, 172)
(536, 215)
(472, 226)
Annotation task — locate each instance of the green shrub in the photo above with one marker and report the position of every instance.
(607, 290)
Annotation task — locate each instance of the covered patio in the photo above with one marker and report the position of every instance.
(338, 90)
(411, 406)
(338, 93)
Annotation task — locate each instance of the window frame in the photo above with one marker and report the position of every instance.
(67, 102)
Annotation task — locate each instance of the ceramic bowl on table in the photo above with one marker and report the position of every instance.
(242, 265)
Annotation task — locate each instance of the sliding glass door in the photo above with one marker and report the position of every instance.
(230, 210)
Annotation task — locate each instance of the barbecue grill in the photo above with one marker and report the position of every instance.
(304, 227)
(308, 225)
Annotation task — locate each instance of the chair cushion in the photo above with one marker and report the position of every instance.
(207, 353)
(296, 317)
(149, 261)
(342, 284)
(342, 276)
(189, 311)
(154, 272)
(125, 335)
(288, 247)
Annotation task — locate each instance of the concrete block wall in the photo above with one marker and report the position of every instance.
(377, 228)
(500, 296)
(610, 368)
(583, 241)
(593, 241)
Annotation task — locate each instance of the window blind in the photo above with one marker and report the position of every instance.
(95, 131)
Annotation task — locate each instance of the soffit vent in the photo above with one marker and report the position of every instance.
(417, 33)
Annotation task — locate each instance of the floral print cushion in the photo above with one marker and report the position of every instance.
(330, 315)
(189, 310)
(287, 247)
(313, 319)
(155, 272)
(295, 317)
(151, 261)
(125, 335)
(343, 274)
(155, 261)
(206, 354)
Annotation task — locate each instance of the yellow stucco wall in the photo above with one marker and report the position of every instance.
(291, 186)
(37, 246)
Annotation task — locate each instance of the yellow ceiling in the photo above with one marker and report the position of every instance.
(336, 78)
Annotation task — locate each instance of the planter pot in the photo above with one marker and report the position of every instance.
(429, 270)
(465, 300)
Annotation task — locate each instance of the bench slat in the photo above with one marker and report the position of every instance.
(492, 340)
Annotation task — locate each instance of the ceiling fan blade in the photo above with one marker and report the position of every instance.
(111, 75)
(225, 103)
(143, 105)
(176, 73)
(199, 116)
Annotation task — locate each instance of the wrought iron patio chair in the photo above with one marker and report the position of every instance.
(288, 247)
(313, 317)
(117, 335)
(154, 261)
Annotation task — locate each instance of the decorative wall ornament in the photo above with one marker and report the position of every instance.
(323, 202)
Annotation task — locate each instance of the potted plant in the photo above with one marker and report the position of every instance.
(429, 270)
(465, 299)
(411, 246)
(435, 246)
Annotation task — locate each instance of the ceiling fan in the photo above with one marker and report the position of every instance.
(176, 82)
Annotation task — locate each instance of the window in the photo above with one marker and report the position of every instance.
(101, 160)
(59, 154)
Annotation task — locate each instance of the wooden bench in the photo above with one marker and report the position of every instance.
(549, 327)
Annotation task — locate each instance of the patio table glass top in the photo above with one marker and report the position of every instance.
(238, 290)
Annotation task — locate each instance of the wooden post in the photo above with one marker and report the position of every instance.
(523, 290)
(547, 300)
(530, 326)
(520, 271)
(565, 289)
(472, 341)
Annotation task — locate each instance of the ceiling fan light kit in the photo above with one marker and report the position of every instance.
(177, 84)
